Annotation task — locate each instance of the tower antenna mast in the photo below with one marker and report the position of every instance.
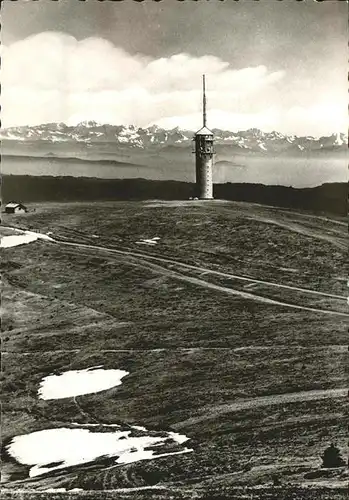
(204, 100)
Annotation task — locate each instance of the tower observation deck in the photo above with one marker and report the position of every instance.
(204, 152)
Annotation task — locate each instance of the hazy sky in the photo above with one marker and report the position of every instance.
(270, 64)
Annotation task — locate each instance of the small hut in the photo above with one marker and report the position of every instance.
(15, 208)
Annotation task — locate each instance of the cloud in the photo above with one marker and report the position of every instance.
(53, 77)
(333, 115)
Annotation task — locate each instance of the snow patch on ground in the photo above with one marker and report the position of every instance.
(78, 382)
(139, 428)
(251, 285)
(22, 239)
(55, 490)
(15, 240)
(99, 425)
(149, 241)
(62, 490)
(289, 269)
(53, 449)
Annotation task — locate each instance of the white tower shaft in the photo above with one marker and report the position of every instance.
(204, 155)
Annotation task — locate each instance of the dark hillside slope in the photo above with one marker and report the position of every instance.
(330, 198)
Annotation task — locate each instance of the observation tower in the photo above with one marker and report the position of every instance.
(204, 152)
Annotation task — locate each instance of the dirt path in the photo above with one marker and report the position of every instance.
(334, 347)
(261, 401)
(201, 269)
(305, 231)
(143, 260)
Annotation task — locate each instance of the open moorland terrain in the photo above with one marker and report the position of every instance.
(230, 320)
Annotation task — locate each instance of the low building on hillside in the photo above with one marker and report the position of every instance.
(15, 208)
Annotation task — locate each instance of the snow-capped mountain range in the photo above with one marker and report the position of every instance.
(90, 132)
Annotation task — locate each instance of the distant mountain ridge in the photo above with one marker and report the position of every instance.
(154, 137)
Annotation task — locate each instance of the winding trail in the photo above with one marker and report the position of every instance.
(305, 231)
(201, 269)
(143, 260)
(212, 412)
(199, 282)
(334, 347)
